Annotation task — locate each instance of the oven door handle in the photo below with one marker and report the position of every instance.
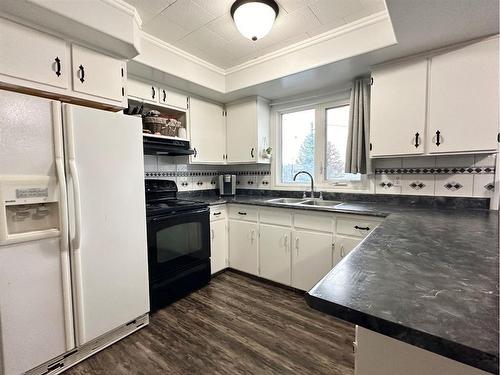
(179, 214)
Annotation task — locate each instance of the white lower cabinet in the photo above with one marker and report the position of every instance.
(311, 257)
(290, 247)
(343, 246)
(275, 257)
(219, 245)
(243, 241)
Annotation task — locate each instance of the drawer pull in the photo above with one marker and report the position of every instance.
(164, 95)
(361, 228)
(153, 92)
(217, 213)
(242, 213)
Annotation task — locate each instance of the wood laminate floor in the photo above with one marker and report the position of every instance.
(236, 325)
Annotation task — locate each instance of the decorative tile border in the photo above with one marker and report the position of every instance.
(451, 170)
(205, 173)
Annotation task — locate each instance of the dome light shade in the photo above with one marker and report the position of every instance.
(254, 18)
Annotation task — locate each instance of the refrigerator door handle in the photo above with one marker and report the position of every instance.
(64, 223)
(76, 195)
(73, 172)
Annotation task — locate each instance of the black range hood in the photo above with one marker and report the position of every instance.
(161, 145)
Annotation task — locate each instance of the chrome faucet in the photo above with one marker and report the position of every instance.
(312, 181)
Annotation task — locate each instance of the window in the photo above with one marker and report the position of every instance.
(297, 144)
(314, 139)
(337, 127)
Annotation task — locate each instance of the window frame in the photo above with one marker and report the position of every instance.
(320, 127)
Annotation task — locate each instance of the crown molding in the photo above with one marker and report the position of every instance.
(331, 34)
(171, 48)
(124, 6)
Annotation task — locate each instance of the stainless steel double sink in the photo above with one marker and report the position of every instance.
(304, 202)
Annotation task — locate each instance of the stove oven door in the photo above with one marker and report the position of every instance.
(176, 241)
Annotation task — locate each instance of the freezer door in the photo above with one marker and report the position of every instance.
(107, 219)
(36, 321)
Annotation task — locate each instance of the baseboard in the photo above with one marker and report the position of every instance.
(266, 281)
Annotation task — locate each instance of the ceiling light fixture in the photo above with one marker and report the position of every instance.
(254, 18)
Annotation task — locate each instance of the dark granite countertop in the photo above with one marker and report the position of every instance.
(425, 276)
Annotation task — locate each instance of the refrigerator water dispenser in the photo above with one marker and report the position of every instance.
(29, 208)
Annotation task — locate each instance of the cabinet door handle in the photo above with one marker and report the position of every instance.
(297, 246)
(82, 73)
(361, 228)
(153, 92)
(242, 213)
(217, 213)
(164, 95)
(342, 251)
(286, 243)
(213, 233)
(252, 235)
(252, 152)
(416, 140)
(58, 66)
(195, 152)
(438, 138)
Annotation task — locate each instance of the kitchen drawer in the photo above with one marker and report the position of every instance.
(276, 216)
(316, 221)
(356, 226)
(218, 212)
(243, 212)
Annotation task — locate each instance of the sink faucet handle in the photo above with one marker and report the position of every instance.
(304, 195)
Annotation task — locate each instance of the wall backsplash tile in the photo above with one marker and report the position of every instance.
(447, 176)
(417, 184)
(454, 185)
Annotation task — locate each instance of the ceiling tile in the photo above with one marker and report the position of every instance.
(297, 22)
(324, 28)
(187, 14)
(215, 7)
(149, 8)
(206, 29)
(224, 27)
(203, 43)
(165, 30)
(328, 11)
(291, 5)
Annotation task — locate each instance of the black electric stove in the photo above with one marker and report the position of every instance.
(178, 243)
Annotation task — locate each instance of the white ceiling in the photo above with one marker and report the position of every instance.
(419, 25)
(205, 28)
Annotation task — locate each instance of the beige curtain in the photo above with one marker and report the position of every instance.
(358, 141)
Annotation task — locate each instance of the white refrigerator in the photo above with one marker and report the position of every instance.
(73, 249)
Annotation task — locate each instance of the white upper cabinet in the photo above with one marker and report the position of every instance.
(207, 132)
(32, 56)
(464, 100)
(172, 98)
(247, 131)
(142, 91)
(450, 100)
(97, 74)
(398, 110)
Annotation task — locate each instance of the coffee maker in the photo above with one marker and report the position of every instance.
(227, 184)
